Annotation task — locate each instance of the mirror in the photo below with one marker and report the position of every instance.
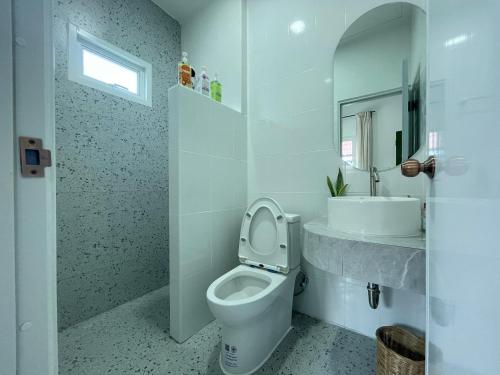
(379, 87)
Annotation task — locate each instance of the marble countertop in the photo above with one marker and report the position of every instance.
(320, 226)
(396, 262)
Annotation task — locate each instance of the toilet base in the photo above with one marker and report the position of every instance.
(248, 344)
(263, 361)
(251, 331)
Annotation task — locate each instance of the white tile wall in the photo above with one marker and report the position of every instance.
(290, 120)
(290, 112)
(208, 180)
(345, 302)
(324, 298)
(214, 37)
(194, 182)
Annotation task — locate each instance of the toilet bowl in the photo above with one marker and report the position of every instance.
(253, 302)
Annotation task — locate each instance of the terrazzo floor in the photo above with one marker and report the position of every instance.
(133, 339)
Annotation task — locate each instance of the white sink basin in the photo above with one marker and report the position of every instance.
(375, 216)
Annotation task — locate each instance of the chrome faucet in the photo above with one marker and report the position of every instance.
(374, 178)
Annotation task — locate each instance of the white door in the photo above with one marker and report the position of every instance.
(463, 322)
(7, 233)
(34, 197)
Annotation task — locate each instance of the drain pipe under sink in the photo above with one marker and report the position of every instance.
(373, 295)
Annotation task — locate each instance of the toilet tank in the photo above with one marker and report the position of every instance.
(294, 247)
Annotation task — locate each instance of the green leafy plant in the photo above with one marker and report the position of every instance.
(339, 188)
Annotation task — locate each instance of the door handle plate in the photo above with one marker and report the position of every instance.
(34, 158)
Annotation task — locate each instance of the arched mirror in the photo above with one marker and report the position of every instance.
(379, 87)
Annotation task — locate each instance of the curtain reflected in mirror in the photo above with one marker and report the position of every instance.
(364, 141)
(371, 131)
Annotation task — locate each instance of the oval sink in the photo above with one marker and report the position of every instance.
(375, 216)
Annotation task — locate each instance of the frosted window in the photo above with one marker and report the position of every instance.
(110, 72)
(96, 63)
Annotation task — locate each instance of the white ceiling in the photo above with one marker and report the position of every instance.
(181, 10)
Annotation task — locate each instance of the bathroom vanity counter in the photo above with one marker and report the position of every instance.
(396, 262)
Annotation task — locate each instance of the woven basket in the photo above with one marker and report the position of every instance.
(399, 352)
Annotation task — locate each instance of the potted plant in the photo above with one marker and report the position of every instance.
(339, 188)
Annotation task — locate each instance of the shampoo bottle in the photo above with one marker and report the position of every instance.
(216, 89)
(204, 82)
(185, 71)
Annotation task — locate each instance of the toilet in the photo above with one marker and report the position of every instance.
(253, 302)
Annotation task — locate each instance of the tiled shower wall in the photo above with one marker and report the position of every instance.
(208, 196)
(112, 159)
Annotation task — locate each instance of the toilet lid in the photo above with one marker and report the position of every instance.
(264, 236)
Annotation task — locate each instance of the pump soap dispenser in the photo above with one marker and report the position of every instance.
(185, 72)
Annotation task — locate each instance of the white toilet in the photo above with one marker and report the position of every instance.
(253, 302)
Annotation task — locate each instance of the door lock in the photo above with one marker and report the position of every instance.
(34, 159)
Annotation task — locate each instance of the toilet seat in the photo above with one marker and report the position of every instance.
(264, 236)
(269, 282)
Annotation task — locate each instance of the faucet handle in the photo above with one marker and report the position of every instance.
(412, 167)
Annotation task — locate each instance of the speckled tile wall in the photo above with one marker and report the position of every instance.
(112, 160)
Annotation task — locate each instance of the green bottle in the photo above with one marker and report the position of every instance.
(216, 89)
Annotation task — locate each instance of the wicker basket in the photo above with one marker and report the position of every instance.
(399, 352)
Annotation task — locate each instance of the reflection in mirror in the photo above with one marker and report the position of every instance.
(379, 87)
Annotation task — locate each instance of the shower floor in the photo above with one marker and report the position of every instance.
(133, 339)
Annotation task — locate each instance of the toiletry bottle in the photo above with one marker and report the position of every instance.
(204, 82)
(194, 78)
(185, 71)
(216, 89)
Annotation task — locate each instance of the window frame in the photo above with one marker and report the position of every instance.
(80, 40)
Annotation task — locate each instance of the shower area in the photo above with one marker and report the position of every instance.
(137, 158)
(112, 175)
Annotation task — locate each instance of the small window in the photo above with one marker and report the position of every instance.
(100, 65)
